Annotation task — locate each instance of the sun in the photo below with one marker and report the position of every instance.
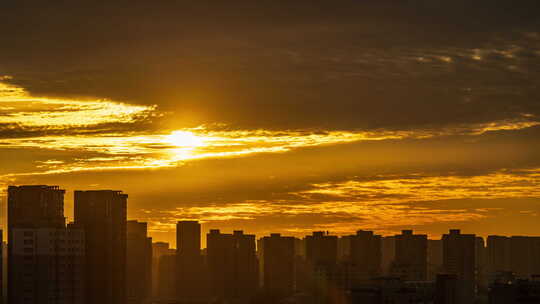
(184, 139)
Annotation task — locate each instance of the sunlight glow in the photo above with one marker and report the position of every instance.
(185, 139)
(109, 131)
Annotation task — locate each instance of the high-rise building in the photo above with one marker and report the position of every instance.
(365, 257)
(191, 281)
(525, 256)
(221, 263)
(321, 267)
(188, 238)
(498, 255)
(167, 292)
(159, 249)
(321, 249)
(518, 254)
(46, 259)
(233, 266)
(459, 259)
(138, 262)
(47, 265)
(276, 261)
(37, 206)
(410, 262)
(102, 214)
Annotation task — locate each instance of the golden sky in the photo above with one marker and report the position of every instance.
(362, 116)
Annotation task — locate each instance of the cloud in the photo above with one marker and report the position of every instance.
(418, 188)
(385, 203)
(135, 151)
(18, 108)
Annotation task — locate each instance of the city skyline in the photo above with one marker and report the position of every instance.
(403, 231)
(102, 257)
(207, 227)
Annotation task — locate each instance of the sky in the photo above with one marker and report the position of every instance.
(280, 116)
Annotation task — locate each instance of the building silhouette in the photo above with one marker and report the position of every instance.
(167, 292)
(524, 256)
(102, 215)
(103, 258)
(321, 249)
(37, 206)
(48, 265)
(498, 255)
(138, 262)
(517, 254)
(159, 249)
(163, 273)
(192, 283)
(410, 262)
(459, 259)
(321, 270)
(276, 263)
(232, 264)
(365, 257)
(45, 258)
